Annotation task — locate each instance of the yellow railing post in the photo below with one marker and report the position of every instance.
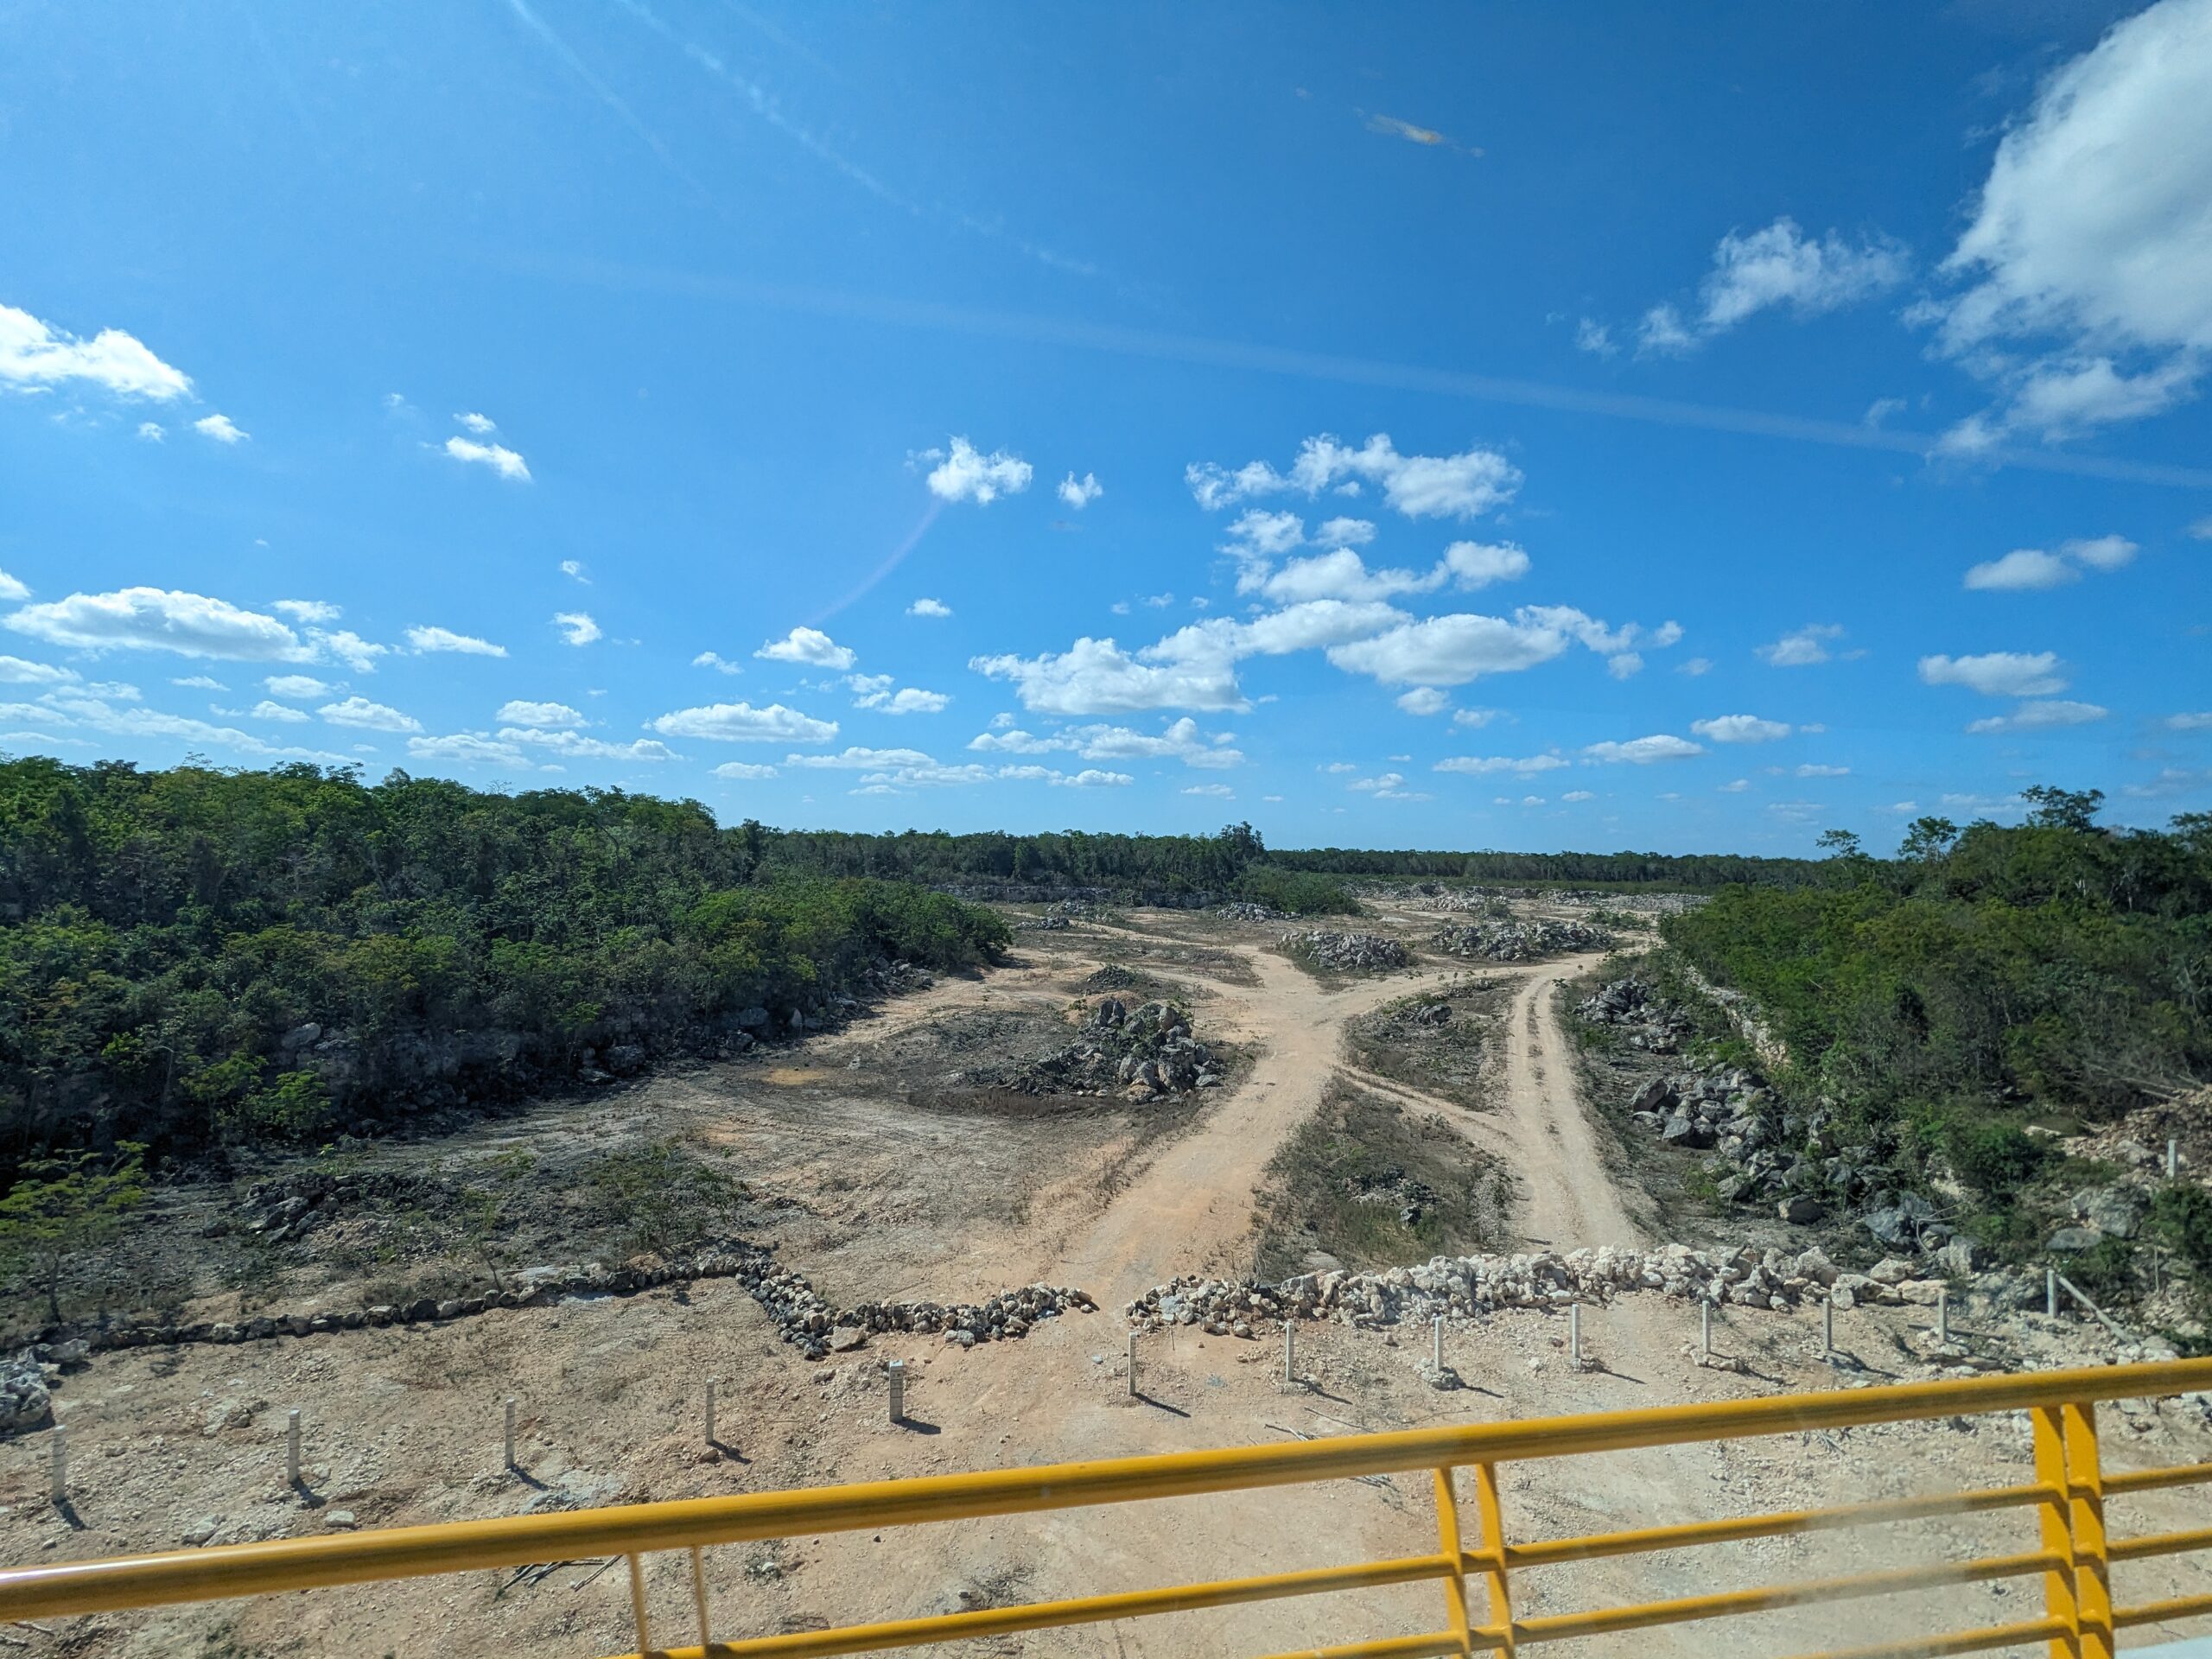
(2085, 1488)
(2056, 1512)
(1492, 1517)
(1455, 1586)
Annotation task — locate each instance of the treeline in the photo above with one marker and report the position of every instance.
(192, 958)
(1984, 978)
(1692, 871)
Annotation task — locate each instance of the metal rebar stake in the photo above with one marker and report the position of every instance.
(61, 1466)
(1133, 1364)
(711, 1440)
(1828, 1326)
(292, 1448)
(511, 1433)
(898, 1390)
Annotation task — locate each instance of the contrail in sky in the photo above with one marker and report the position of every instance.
(1203, 351)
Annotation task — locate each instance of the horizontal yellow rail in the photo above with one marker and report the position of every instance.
(2069, 1494)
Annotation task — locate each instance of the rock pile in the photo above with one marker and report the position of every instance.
(1448, 1285)
(1144, 1053)
(293, 1206)
(1520, 941)
(804, 1317)
(1347, 953)
(1648, 1022)
(1245, 911)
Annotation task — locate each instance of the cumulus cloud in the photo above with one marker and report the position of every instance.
(1097, 676)
(1522, 765)
(874, 691)
(1217, 791)
(1807, 646)
(17, 671)
(12, 589)
(576, 627)
(2030, 569)
(1577, 795)
(1421, 487)
(1643, 751)
(1781, 266)
(481, 425)
(71, 710)
(296, 686)
(968, 475)
(574, 746)
(716, 661)
(741, 722)
(497, 456)
(2088, 242)
(1814, 769)
(1998, 673)
(1424, 700)
(368, 716)
(1081, 493)
(929, 608)
(810, 646)
(543, 716)
(743, 770)
(306, 611)
(220, 428)
(1740, 729)
(1257, 534)
(36, 354)
(468, 749)
(153, 619)
(468, 644)
(861, 759)
(267, 710)
(1454, 649)
(2042, 715)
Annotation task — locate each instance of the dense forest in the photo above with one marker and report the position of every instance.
(1687, 872)
(193, 958)
(1985, 980)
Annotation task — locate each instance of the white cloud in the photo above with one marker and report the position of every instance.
(716, 661)
(497, 456)
(968, 475)
(1339, 575)
(12, 589)
(1344, 532)
(1779, 265)
(1424, 700)
(1388, 780)
(861, 759)
(1807, 646)
(1473, 564)
(348, 648)
(1735, 786)
(1643, 751)
(1661, 331)
(743, 770)
(152, 432)
(468, 644)
(1624, 664)
(468, 749)
(1217, 791)
(2189, 722)
(153, 618)
(1097, 676)
(197, 683)
(1740, 729)
(875, 692)
(1091, 777)
(2100, 552)
(1454, 649)
(74, 708)
(2024, 569)
(2200, 530)
(2039, 716)
(220, 428)
(810, 646)
(929, 608)
(1577, 795)
(741, 722)
(1998, 673)
(1257, 534)
(1813, 769)
(2089, 236)
(481, 425)
(16, 671)
(577, 627)
(369, 716)
(574, 570)
(575, 746)
(297, 686)
(1524, 765)
(1695, 666)
(1593, 337)
(1080, 493)
(34, 353)
(543, 716)
(1419, 486)
(268, 710)
(306, 610)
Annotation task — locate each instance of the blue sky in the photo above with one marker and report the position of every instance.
(1416, 426)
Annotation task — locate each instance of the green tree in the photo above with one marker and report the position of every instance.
(1928, 839)
(2050, 808)
(64, 1206)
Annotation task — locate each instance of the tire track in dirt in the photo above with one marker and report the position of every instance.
(1568, 1198)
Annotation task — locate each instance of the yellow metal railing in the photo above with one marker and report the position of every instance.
(2069, 1491)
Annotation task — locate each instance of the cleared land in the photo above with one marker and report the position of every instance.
(891, 1159)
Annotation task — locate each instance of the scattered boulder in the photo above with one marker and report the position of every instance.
(1520, 941)
(1347, 953)
(25, 1402)
(1631, 1004)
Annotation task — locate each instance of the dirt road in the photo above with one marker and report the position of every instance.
(1570, 1199)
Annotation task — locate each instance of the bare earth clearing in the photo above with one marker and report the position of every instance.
(882, 1169)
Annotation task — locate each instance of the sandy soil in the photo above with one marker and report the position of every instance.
(877, 1196)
